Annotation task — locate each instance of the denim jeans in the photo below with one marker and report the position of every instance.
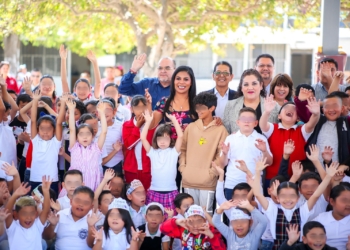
(266, 245)
(27, 175)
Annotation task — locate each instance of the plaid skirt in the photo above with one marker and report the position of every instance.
(167, 200)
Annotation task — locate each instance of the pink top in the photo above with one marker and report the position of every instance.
(104, 82)
(87, 160)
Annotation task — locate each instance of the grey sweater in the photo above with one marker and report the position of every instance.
(251, 241)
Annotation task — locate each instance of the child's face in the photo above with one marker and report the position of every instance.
(346, 106)
(115, 220)
(81, 205)
(164, 141)
(85, 136)
(203, 111)
(46, 130)
(139, 109)
(109, 112)
(240, 194)
(308, 187)
(82, 90)
(288, 198)
(112, 92)
(195, 223)
(71, 182)
(241, 227)
(341, 205)
(332, 108)
(47, 87)
(106, 200)
(288, 114)
(117, 185)
(94, 124)
(154, 218)
(316, 238)
(27, 215)
(138, 196)
(91, 109)
(247, 122)
(185, 204)
(77, 115)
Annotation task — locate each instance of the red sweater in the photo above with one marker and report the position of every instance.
(276, 142)
(131, 136)
(170, 228)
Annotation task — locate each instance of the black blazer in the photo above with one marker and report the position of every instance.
(231, 95)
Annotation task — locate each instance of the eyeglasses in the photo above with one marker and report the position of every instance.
(269, 66)
(224, 73)
(167, 68)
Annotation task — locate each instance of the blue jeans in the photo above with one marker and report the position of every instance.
(117, 168)
(27, 175)
(266, 245)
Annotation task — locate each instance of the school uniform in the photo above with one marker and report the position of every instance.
(115, 241)
(64, 202)
(138, 217)
(152, 241)
(7, 144)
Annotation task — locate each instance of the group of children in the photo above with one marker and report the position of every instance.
(93, 174)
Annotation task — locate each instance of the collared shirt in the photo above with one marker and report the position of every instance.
(156, 90)
(321, 92)
(222, 101)
(64, 202)
(138, 217)
(337, 230)
(165, 238)
(267, 89)
(280, 126)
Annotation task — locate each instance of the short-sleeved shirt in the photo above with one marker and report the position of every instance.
(321, 92)
(25, 238)
(183, 117)
(64, 202)
(115, 241)
(7, 144)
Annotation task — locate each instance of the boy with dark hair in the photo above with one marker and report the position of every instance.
(201, 146)
(152, 238)
(314, 238)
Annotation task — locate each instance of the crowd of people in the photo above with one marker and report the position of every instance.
(153, 165)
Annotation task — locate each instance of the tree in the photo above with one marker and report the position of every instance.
(158, 28)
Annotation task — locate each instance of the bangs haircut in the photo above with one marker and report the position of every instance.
(111, 85)
(84, 125)
(206, 99)
(249, 110)
(282, 80)
(137, 99)
(160, 132)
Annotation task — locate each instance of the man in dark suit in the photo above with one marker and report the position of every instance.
(222, 75)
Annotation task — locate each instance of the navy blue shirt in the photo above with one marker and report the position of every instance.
(156, 90)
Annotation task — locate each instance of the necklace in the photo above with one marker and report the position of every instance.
(182, 104)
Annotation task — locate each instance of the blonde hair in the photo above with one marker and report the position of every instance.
(25, 201)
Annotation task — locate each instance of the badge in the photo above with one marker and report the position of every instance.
(83, 233)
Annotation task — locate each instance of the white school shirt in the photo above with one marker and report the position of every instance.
(272, 210)
(138, 217)
(123, 114)
(163, 168)
(319, 207)
(221, 104)
(115, 241)
(70, 234)
(337, 230)
(267, 235)
(138, 149)
(45, 157)
(3, 174)
(64, 202)
(242, 148)
(114, 134)
(25, 238)
(8, 148)
(165, 238)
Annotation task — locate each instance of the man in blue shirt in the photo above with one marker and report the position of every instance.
(158, 87)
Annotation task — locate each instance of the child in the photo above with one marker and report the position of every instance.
(163, 153)
(25, 233)
(118, 229)
(194, 231)
(73, 226)
(136, 194)
(244, 235)
(201, 146)
(115, 157)
(111, 91)
(287, 212)
(337, 221)
(153, 239)
(286, 129)
(46, 140)
(86, 154)
(91, 107)
(137, 164)
(245, 145)
(314, 237)
(71, 180)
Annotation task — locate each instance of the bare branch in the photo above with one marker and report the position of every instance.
(147, 9)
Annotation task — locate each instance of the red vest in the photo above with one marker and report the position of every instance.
(276, 142)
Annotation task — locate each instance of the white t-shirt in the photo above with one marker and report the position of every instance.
(114, 134)
(26, 144)
(25, 238)
(64, 202)
(242, 148)
(163, 168)
(337, 230)
(70, 234)
(8, 148)
(123, 114)
(115, 241)
(319, 207)
(3, 174)
(45, 157)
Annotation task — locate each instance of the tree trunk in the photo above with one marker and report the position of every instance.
(11, 52)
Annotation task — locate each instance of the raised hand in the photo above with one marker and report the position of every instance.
(93, 218)
(274, 187)
(314, 153)
(297, 168)
(229, 204)
(269, 103)
(3, 214)
(64, 98)
(135, 234)
(63, 52)
(117, 146)
(98, 235)
(46, 182)
(332, 169)
(261, 145)
(55, 205)
(42, 104)
(293, 234)
(109, 174)
(148, 117)
(53, 218)
(139, 61)
(148, 96)
(218, 169)
(260, 164)
(36, 95)
(23, 189)
(101, 107)
(289, 147)
(305, 94)
(327, 154)
(242, 166)
(169, 211)
(245, 204)
(71, 105)
(2, 82)
(250, 181)
(27, 83)
(204, 229)
(91, 56)
(326, 69)
(339, 74)
(171, 117)
(182, 223)
(107, 187)
(10, 170)
(313, 106)
(224, 148)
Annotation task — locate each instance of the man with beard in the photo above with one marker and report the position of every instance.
(265, 65)
(158, 87)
